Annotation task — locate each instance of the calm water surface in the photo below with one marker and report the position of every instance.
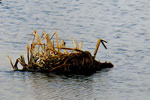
(125, 24)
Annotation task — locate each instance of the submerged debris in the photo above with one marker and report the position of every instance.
(45, 54)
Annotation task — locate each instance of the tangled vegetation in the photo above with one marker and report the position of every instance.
(46, 54)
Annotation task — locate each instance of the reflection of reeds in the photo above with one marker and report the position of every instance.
(44, 56)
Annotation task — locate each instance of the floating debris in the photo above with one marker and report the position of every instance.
(46, 54)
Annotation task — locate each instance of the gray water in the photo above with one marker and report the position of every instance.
(124, 24)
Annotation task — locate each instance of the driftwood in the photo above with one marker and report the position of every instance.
(44, 56)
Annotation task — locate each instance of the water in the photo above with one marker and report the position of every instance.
(125, 24)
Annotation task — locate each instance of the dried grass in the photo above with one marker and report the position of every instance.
(44, 56)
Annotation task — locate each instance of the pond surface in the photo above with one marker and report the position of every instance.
(125, 24)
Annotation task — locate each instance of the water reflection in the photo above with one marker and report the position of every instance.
(60, 87)
(37, 86)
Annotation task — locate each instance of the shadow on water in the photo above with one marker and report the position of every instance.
(39, 75)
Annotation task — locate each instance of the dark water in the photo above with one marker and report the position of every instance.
(125, 24)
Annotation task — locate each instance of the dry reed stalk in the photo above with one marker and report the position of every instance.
(11, 62)
(60, 45)
(43, 55)
(74, 42)
(21, 60)
(57, 43)
(80, 46)
(49, 44)
(37, 36)
(73, 49)
(63, 46)
(28, 48)
(103, 43)
(97, 46)
(77, 45)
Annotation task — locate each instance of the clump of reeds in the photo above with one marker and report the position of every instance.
(46, 54)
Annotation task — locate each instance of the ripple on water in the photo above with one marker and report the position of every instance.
(124, 24)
